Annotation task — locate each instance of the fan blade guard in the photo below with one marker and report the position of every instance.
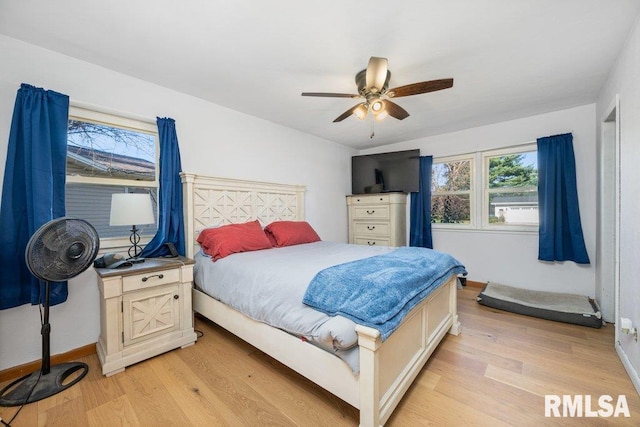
(62, 249)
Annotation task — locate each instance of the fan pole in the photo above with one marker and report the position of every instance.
(46, 333)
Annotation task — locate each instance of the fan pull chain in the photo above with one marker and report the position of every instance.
(373, 133)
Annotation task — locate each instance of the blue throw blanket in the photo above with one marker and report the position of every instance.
(379, 291)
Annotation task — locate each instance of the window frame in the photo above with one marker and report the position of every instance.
(471, 192)
(128, 123)
(486, 191)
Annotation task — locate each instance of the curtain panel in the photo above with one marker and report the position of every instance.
(170, 215)
(560, 229)
(420, 214)
(33, 190)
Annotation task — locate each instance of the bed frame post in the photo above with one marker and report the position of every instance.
(369, 341)
(188, 179)
(453, 308)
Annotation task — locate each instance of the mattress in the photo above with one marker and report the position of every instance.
(269, 285)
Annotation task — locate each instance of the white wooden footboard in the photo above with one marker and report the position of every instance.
(388, 368)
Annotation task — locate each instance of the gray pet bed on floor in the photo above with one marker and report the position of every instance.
(568, 308)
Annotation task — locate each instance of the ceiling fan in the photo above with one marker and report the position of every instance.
(373, 87)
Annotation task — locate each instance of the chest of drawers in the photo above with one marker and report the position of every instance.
(377, 219)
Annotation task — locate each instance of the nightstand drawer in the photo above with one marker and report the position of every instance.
(371, 212)
(372, 241)
(365, 229)
(146, 280)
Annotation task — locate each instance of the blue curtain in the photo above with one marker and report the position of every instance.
(33, 190)
(170, 216)
(420, 216)
(560, 232)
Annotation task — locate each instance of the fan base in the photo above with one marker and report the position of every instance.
(19, 392)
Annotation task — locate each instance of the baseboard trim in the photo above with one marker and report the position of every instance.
(633, 374)
(27, 368)
(473, 284)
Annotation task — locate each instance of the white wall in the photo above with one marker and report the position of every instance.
(518, 264)
(213, 140)
(624, 80)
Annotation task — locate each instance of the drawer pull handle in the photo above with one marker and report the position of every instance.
(370, 228)
(176, 296)
(370, 212)
(159, 276)
(371, 243)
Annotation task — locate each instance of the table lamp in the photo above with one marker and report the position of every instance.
(132, 209)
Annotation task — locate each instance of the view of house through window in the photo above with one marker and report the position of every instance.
(451, 184)
(511, 189)
(108, 154)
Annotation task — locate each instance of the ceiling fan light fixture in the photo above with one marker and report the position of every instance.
(381, 116)
(377, 106)
(361, 111)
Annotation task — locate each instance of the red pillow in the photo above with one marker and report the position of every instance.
(288, 233)
(233, 238)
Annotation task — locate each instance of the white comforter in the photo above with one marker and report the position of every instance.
(269, 285)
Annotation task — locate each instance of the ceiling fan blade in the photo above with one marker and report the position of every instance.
(376, 73)
(351, 111)
(418, 88)
(394, 110)
(331, 95)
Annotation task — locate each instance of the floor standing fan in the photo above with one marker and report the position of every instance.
(57, 251)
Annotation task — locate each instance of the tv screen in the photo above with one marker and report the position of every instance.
(397, 171)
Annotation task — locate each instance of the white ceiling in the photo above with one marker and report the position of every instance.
(509, 59)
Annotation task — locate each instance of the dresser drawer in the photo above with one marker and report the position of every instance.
(371, 212)
(365, 229)
(370, 200)
(372, 241)
(145, 280)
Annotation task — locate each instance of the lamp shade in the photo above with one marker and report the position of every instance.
(131, 209)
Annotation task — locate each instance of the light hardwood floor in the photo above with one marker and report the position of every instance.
(495, 373)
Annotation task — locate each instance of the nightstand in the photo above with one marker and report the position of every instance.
(145, 310)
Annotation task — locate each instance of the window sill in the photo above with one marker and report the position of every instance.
(485, 230)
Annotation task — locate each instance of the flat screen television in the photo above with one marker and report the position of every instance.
(398, 171)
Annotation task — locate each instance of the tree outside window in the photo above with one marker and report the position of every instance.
(451, 184)
(511, 188)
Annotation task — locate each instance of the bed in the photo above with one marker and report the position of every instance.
(386, 367)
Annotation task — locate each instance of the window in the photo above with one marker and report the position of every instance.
(109, 154)
(451, 191)
(511, 188)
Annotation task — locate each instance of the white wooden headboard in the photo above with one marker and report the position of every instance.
(210, 201)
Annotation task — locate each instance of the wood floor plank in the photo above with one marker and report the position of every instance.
(190, 391)
(117, 411)
(496, 372)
